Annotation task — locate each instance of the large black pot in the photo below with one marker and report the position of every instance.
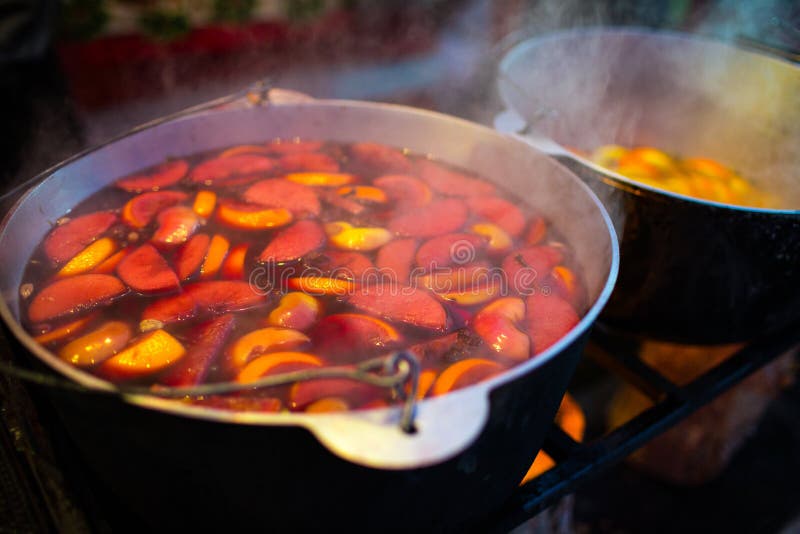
(691, 271)
(176, 466)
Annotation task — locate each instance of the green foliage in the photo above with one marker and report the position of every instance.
(164, 25)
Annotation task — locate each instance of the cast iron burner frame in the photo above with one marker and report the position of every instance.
(577, 463)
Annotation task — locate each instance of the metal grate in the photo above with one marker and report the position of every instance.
(578, 462)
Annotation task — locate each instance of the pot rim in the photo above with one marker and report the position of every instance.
(311, 421)
(554, 148)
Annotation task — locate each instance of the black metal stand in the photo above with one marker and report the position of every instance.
(579, 462)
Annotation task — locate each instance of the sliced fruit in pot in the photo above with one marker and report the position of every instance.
(164, 175)
(498, 239)
(348, 237)
(140, 210)
(537, 229)
(110, 264)
(464, 373)
(207, 342)
(292, 146)
(473, 295)
(175, 226)
(321, 179)
(452, 183)
(221, 170)
(461, 278)
(527, 267)
(308, 391)
(380, 158)
(308, 162)
(233, 267)
(98, 345)
(409, 305)
(204, 298)
(396, 259)
(90, 257)
(437, 218)
(426, 380)
(499, 326)
(322, 285)
(68, 239)
(301, 200)
(450, 249)
(328, 405)
(150, 353)
(348, 265)
(350, 337)
(64, 331)
(277, 363)
(500, 212)
(262, 341)
(190, 256)
(144, 270)
(363, 193)
(204, 203)
(296, 310)
(243, 149)
(217, 251)
(549, 318)
(73, 295)
(291, 244)
(405, 190)
(252, 217)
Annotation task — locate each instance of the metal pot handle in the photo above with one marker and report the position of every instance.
(444, 427)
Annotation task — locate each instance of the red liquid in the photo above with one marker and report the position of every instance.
(436, 260)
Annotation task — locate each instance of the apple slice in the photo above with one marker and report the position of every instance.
(300, 199)
(498, 211)
(69, 296)
(175, 226)
(437, 218)
(144, 270)
(304, 393)
(443, 251)
(208, 339)
(328, 405)
(68, 239)
(499, 326)
(379, 158)
(190, 256)
(141, 209)
(404, 190)
(395, 260)
(296, 241)
(321, 179)
(537, 229)
(204, 203)
(243, 149)
(322, 285)
(308, 162)
(204, 298)
(364, 194)
(351, 337)
(452, 183)
(527, 267)
(409, 305)
(50, 335)
(109, 265)
(164, 175)
(348, 265)
(549, 318)
(220, 171)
